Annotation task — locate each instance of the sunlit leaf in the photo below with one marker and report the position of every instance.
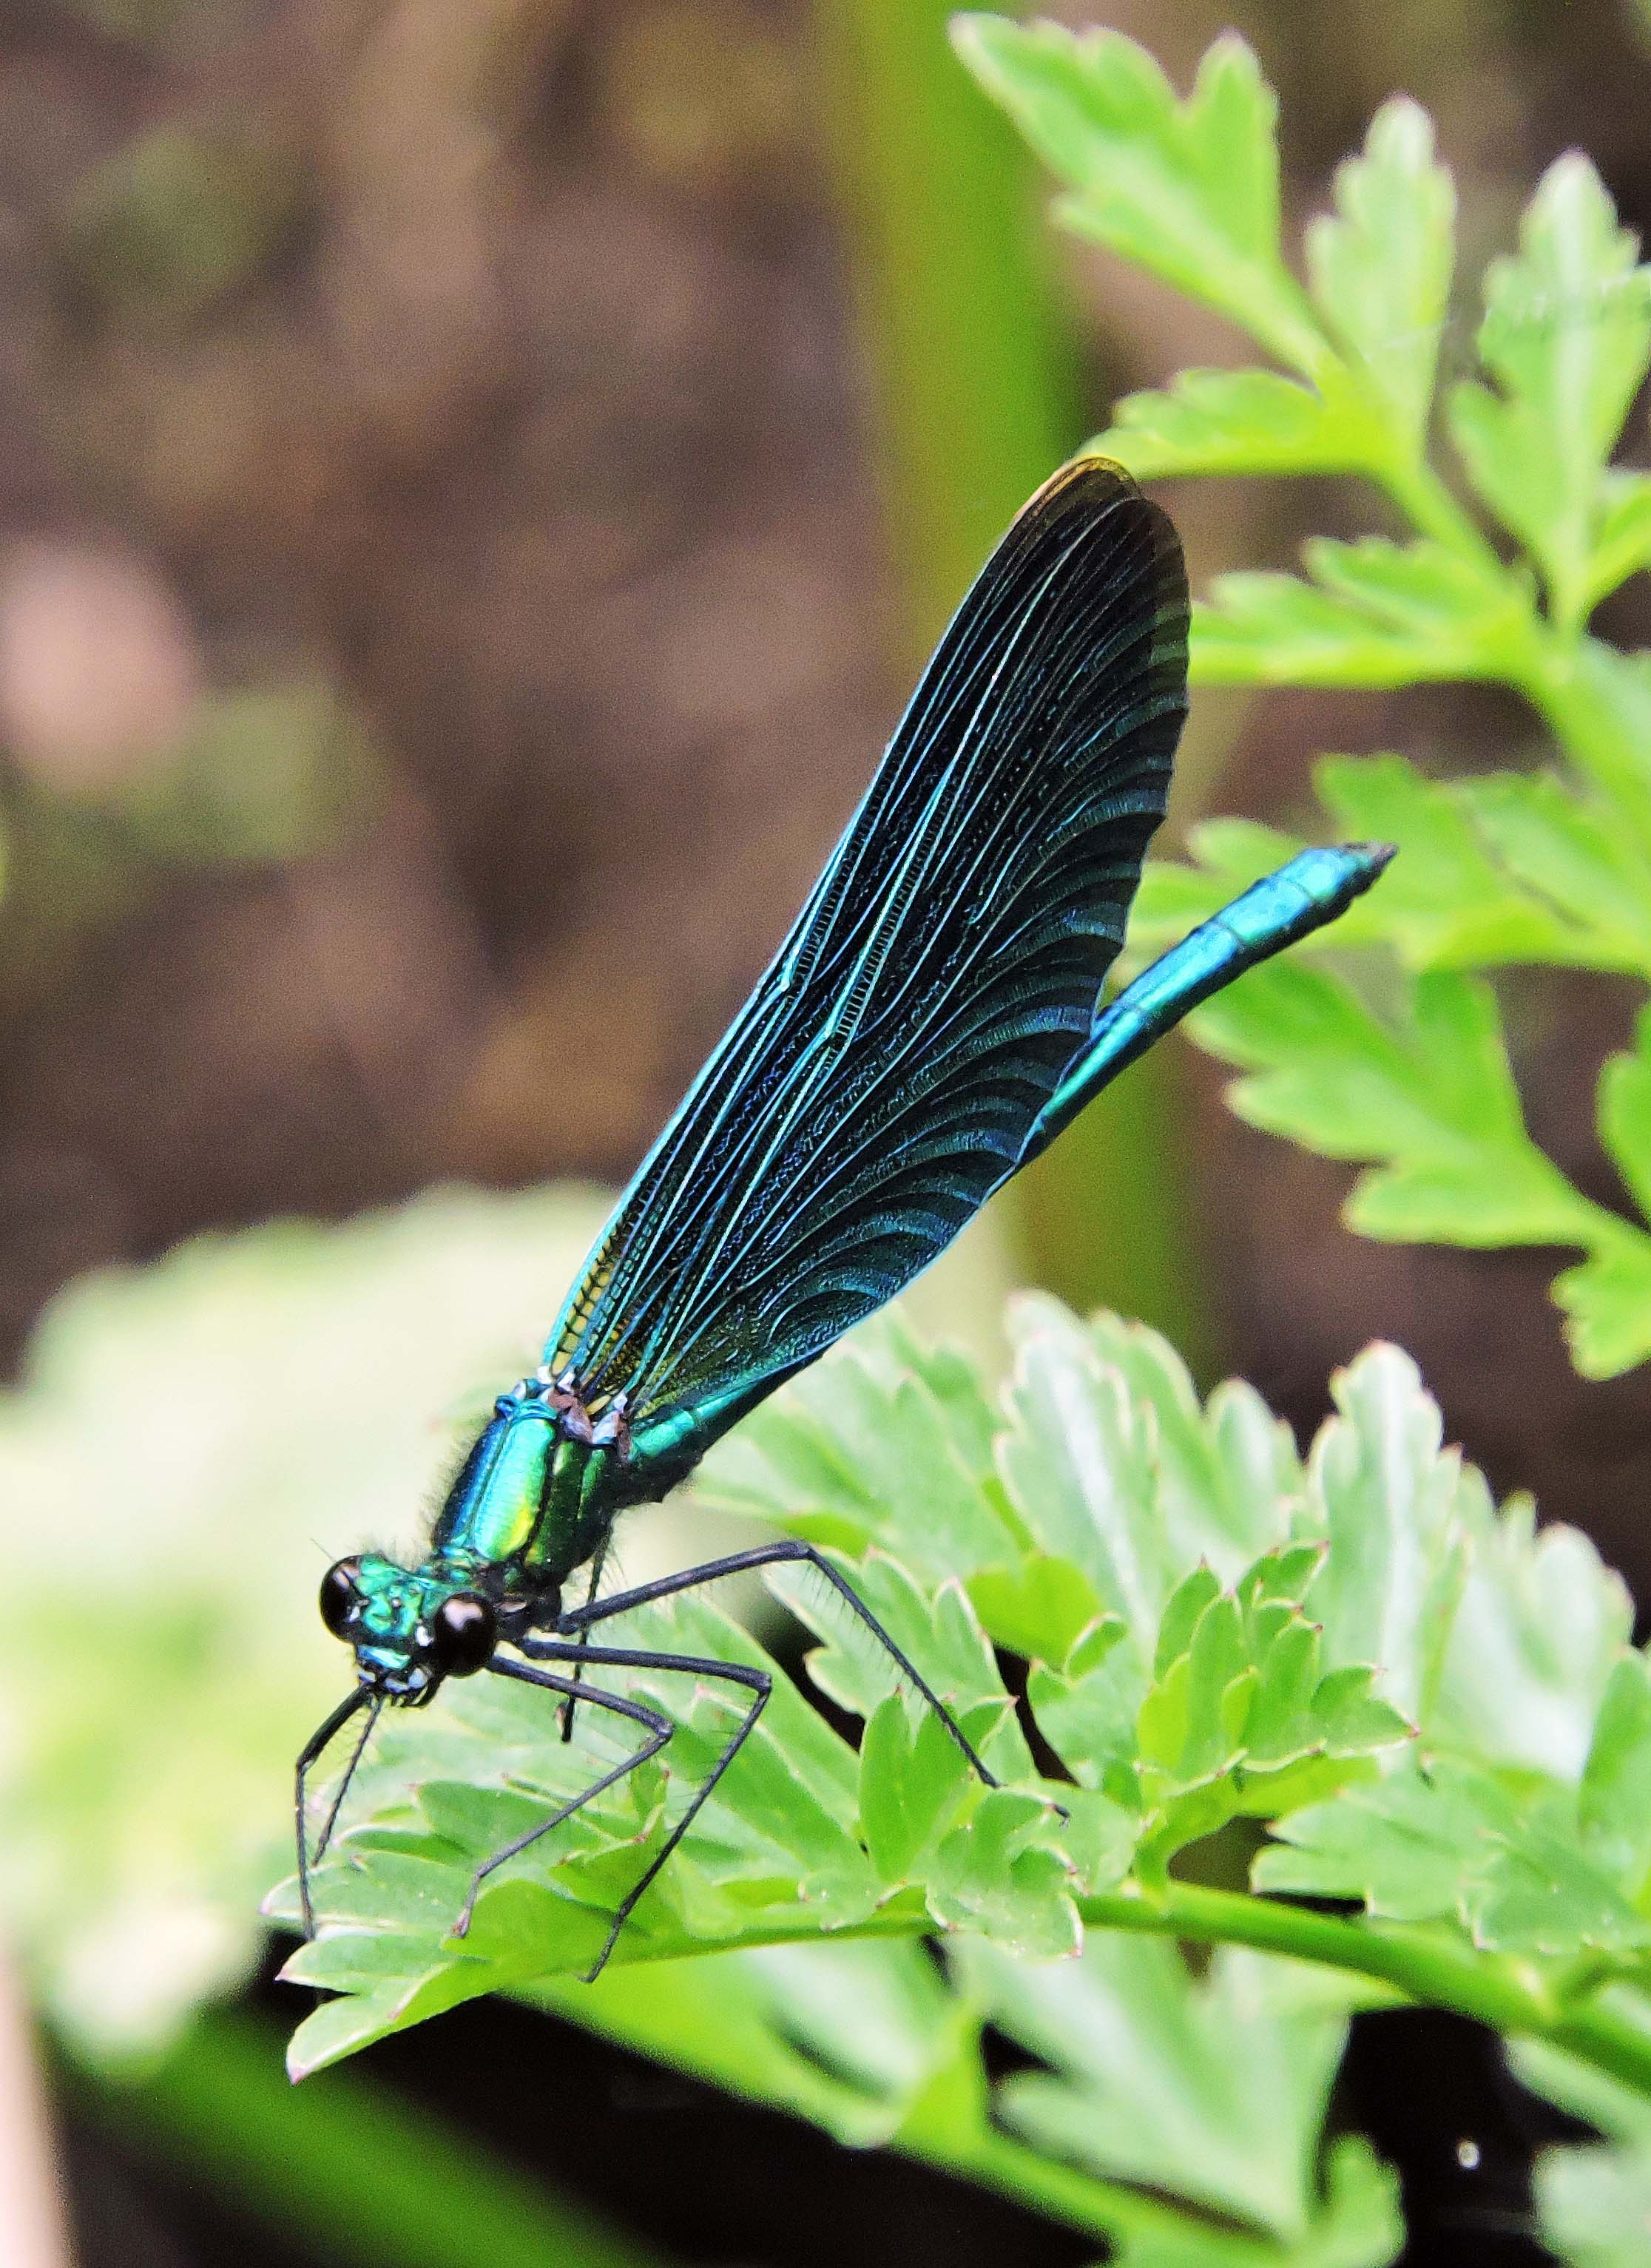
(1566, 335)
(1381, 263)
(1375, 614)
(210, 1431)
(1188, 188)
(1214, 2088)
(1235, 421)
(1506, 1862)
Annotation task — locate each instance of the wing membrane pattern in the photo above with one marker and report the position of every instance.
(880, 1080)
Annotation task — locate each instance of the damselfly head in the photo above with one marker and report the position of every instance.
(411, 1627)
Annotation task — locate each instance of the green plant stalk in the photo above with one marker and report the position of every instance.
(1416, 1963)
(1507, 1995)
(996, 2160)
(358, 2177)
(976, 399)
(1582, 720)
(1418, 490)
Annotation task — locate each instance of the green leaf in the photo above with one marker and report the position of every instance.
(1077, 1465)
(1607, 1302)
(1594, 2206)
(1241, 1715)
(1235, 421)
(885, 1442)
(1228, 1475)
(1038, 1608)
(1456, 1842)
(1388, 1496)
(1602, 709)
(1088, 1713)
(1108, 1462)
(1458, 896)
(941, 1634)
(1610, 1325)
(1099, 1838)
(912, 1774)
(1593, 2203)
(1601, 2098)
(1567, 336)
(1501, 868)
(1614, 1801)
(1213, 2088)
(1624, 1113)
(1184, 1612)
(1622, 536)
(1431, 1097)
(867, 2042)
(1001, 1874)
(1584, 857)
(1358, 2226)
(849, 2036)
(1189, 190)
(1380, 265)
(1375, 614)
(265, 1399)
(1539, 1626)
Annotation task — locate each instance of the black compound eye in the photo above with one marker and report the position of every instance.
(341, 1587)
(463, 1635)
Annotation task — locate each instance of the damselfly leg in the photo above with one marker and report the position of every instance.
(758, 1683)
(594, 1585)
(576, 1625)
(578, 1620)
(312, 1751)
(660, 1729)
(573, 1648)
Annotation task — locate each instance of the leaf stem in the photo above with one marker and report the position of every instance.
(1508, 1996)
(1085, 2201)
(1418, 1963)
(1418, 491)
(1584, 691)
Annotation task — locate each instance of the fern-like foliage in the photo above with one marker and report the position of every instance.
(1338, 1717)
(1521, 523)
(1422, 1709)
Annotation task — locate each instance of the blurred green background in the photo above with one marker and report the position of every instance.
(477, 478)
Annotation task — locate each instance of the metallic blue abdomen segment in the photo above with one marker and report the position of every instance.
(1310, 889)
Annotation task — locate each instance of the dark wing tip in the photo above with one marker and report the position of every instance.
(1141, 544)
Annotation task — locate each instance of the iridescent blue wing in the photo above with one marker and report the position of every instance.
(884, 1075)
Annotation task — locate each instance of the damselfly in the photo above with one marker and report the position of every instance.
(930, 1024)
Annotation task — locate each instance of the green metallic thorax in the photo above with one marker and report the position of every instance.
(533, 1499)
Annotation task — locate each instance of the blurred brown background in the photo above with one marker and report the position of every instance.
(445, 613)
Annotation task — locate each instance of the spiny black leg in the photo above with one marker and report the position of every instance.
(660, 1730)
(758, 1683)
(568, 1706)
(580, 1619)
(313, 1748)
